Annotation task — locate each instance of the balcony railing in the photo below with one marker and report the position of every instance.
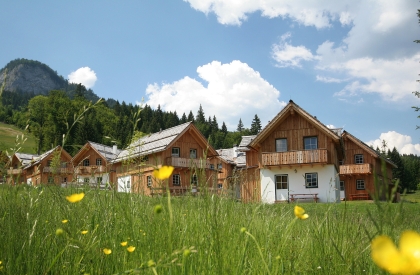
(90, 169)
(365, 168)
(295, 157)
(183, 162)
(56, 170)
(14, 171)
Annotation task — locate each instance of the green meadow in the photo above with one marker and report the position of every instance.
(43, 233)
(8, 134)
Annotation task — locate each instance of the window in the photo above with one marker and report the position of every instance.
(360, 184)
(64, 164)
(211, 166)
(128, 184)
(98, 162)
(49, 162)
(281, 145)
(145, 158)
(194, 179)
(50, 180)
(85, 162)
(175, 151)
(176, 180)
(64, 180)
(149, 181)
(193, 153)
(220, 186)
(341, 185)
(310, 143)
(358, 159)
(281, 182)
(311, 180)
(219, 166)
(86, 180)
(341, 162)
(99, 180)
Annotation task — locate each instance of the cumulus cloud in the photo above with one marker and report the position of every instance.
(402, 143)
(287, 55)
(84, 75)
(232, 91)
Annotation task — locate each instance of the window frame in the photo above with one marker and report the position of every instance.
(86, 161)
(282, 176)
(309, 186)
(359, 159)
(99, 180)
(149, 181)
(98, 162)
(176, 180)
(194, 151)
(194, 179)
(277, 148)
(177, 155)
(342, 185)
(310, 143)
(360, 181)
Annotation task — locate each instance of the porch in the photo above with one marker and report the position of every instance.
(295, 157)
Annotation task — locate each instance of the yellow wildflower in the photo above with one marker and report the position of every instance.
(84, 232)
(131, 248)
(123, 243)
(75, 197)
(65, 221)
(300, 213)
(59, 232)
(107, 251)
(405, 260)
(163, 173)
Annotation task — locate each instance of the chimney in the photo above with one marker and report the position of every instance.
(235, 151)
(114, 149)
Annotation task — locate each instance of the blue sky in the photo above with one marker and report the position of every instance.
(353, 64)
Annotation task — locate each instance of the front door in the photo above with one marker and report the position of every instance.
(282, 187)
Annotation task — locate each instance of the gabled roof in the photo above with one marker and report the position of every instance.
(160, 141)
(245, 141)
(104, 150)
(289, 109)
(24, 158)
(45, 155)
(228, 155)
(367, 148)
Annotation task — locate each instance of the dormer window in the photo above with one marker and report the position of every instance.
(175, 152)
(358, 159)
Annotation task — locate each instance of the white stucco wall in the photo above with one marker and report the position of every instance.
(328, 182)
(92, 178)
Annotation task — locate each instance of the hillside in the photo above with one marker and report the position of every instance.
(8, 135)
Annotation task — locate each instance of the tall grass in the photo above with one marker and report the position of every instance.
(205, 237)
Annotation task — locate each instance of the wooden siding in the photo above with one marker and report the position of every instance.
(224, 174)
(187, 162)
(296, 157)
(250, 185)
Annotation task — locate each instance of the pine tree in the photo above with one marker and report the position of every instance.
(200, 118)
(183, 118)
(255, 125)
(191, 117)
(224, 128)
(240, 127)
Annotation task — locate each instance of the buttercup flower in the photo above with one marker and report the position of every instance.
(163, 173)
(123, 243)
(405, 260)
(59, 232)
(107, 251)
(75, 197)
(65, 221)
(84, 232)
(131, 248)
(300, 213)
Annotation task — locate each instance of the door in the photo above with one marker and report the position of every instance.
(282, 187)
(124, 184)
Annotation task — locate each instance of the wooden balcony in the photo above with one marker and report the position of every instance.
(356, 169)
(88, 170)
(295, 157)
(14, 171)
(58, 170)
(183, 162)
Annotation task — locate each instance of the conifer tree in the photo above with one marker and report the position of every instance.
(200, 118)
(183, 118)
(190, 117)
(224, 128)
(240, 127)
(255, 125)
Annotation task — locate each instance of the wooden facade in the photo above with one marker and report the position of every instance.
(361, 167)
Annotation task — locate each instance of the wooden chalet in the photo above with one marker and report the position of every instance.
(52, 167)
(182, 147)
(297, 159)
(93, 164)
(359, 169)
(16, 174)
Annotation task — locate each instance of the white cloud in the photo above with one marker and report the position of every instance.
(287, 55)
(402, 143)
(84, 75)
(327, 79)
(234, 90)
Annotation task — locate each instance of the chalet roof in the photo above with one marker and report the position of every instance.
(158, 142)
(367, 148)
(44, 155)
(228, 155)
(25, 158)
(292, 107)
(246, 140)
(105, 150)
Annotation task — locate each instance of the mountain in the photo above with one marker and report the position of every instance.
(35, 78)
